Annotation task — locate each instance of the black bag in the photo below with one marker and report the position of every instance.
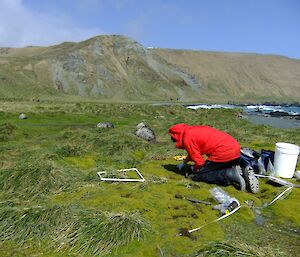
(252, 159)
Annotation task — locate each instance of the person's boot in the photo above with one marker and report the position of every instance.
(252, 183)
(234, 177)
(224, 177)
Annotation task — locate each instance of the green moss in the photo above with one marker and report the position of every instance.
(82, 162)
(32, 150)
(287, 208)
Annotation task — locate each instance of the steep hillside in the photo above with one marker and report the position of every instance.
(117, 68)
(107, 67)
(239, 77)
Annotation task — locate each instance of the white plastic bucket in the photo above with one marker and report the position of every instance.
(285, 159)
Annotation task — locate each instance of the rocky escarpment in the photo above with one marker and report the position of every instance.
(107, 67)
(119, 68)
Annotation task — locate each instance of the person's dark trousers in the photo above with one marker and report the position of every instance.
(215, 172)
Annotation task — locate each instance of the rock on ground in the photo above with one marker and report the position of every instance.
(144, 132)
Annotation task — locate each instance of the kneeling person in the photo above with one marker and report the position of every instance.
(223, 152)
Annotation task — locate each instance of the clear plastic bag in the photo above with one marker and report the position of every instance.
(261, 167)
(219, 194)
(270, 169)
(226, 202)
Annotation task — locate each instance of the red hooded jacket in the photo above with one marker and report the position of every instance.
(217, 145)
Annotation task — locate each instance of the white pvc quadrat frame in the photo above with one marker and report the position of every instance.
(102, 178)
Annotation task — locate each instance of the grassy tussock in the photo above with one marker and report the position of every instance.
(32, 178)
(23, 224)
(70, 229)
(68, 150)
(6, 131)
(98, 232)
(226, 249)
(51, 160)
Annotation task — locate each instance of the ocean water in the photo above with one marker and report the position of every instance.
(276, 122)
(260, 114)
(292, 110)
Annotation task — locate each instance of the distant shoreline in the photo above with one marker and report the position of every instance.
(276, 122)
(279, 116)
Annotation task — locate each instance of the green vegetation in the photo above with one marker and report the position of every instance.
(238, 77)
(52, 202)
(227, 249)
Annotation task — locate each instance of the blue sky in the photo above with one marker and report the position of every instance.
(256, 26)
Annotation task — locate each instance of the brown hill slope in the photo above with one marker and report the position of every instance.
(117, 68)
(104, 67)
(237, 76)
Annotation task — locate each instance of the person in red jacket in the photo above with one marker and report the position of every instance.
(222, 151)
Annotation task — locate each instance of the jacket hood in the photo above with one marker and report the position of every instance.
(177, 132)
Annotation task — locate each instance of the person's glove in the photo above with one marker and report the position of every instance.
(180, 166)
(190, 173)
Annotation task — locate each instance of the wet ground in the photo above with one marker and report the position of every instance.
(276, 122)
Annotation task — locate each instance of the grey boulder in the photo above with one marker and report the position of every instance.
(144, 132)
(22, 116)
(105, 125)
